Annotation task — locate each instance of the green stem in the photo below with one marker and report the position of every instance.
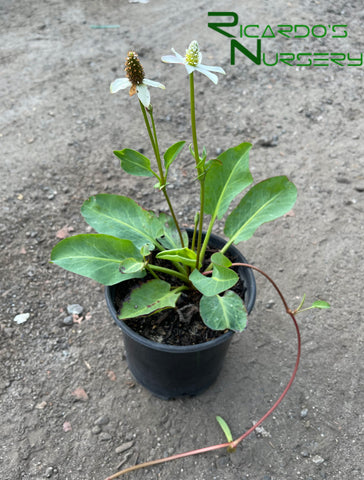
(152, 272)
(162, 180)
(169, 271)
(193, 120)
(200, 171)
(157, 153)
(207, 237)
(148, 128)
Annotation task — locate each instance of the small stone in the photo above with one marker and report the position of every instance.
(123, 447)
(103, 420)
(105, 437)
(304, 413)
(317, 459)
(359, 187)
(21, 318)
(74, 309)
(343, 180)
(267, 142)
(79, 394)
(270, 304)
(68, 321)
(96, 430)
(49, 472)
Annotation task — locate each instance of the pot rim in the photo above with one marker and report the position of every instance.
(180, 349)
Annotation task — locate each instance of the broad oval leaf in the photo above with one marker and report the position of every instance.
(219, 258)
(170, 239)
(226, 177)
(222, 279)
(221, 313)
(134, 162)
(150, 297)
(96, 256)
(123, 218)
(183, 255)
(172, 153)
(264, 202)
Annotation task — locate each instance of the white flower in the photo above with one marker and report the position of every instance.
(192, 62)
(135, 80)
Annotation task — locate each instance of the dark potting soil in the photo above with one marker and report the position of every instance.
(174, 326)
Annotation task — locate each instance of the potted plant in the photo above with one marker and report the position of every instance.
(177, 294)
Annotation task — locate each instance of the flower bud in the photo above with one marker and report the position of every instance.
(134, 69)
(193, 55)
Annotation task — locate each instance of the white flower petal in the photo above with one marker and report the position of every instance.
(120, 84)
(171, 59)
(208, 74)
(151, 83)
(212, 69)
(178, 55)
(143, 94)
(190, 68)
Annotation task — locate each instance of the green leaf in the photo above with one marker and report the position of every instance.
(172, 153)
(183, 255)
(264, 202)
(170, 239)
(226, 177)
(219, 258)
(222, 279)
(131, 265)
(221, 313)
(225, 428)
(123, 218)
(134, 163)
(147, 249)
(150, 297)
(96, 256)
(320, 304)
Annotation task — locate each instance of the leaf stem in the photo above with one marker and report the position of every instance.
(169, 271)
(207, 238)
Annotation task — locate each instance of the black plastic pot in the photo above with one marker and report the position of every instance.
(171, 371)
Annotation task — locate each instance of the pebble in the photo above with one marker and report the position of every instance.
(96, 430)
(343, 180)
(49, 472)
(359, 187)
(103, 420)
(270, 304)
(123, 447)
(105, 437)
(317, 459)
(267, 142)
(68, 321)
(21, 318)
(304, 413)
(74, 309)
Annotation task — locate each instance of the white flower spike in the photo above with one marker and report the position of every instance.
(135, 79)
(192, 62)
